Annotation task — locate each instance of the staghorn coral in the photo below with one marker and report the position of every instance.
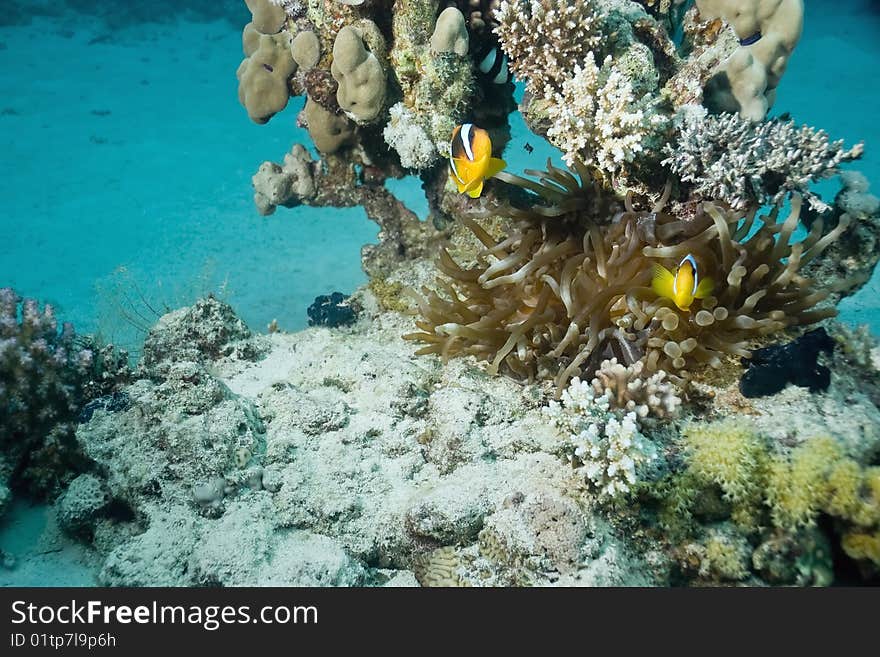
(729, 158)
(561, 292)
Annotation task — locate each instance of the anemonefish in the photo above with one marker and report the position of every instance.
(684, 285)
(493, 65)
(470, 159)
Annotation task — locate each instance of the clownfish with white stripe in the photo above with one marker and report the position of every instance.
(684, 285)
(470, 159)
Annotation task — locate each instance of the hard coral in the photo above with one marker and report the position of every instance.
(526, 28)
(729, 158)
(608, 448)
(594, 118)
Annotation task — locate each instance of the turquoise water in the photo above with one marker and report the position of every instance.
(125, 163)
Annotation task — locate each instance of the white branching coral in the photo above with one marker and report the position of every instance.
(608, 448)
(526, 27)
(610, 454)
(726, 157)
(595, 119)
(631, 390)
(409, 139)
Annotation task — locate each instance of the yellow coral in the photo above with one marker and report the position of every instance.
(819, 478)
(729, 453)
(798, 489)
(862, 546)
(725, 558)
(845, 482)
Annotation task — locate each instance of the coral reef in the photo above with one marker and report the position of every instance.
(336, 457)
(237, 471)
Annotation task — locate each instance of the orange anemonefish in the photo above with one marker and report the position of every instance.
(470, 159)
(682, 287)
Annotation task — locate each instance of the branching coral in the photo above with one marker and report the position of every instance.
(608, 447)
(527, 27)
(43, 369)
(557, 296)
(46, 375)
(631, 390)
(743, 163)
(595, 120)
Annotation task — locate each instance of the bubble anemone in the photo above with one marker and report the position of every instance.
(567, 288)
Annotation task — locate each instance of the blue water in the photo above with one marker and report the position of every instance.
(125, 161)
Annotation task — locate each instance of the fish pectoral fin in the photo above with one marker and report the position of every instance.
(704, 289)
(475, 189)
(662, 281)
(495, 165)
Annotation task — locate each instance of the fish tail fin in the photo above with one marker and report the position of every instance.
(705, 288)
(474, 191)
(495, 165)
(662, 281)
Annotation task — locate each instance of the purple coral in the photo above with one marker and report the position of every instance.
(46, 374)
